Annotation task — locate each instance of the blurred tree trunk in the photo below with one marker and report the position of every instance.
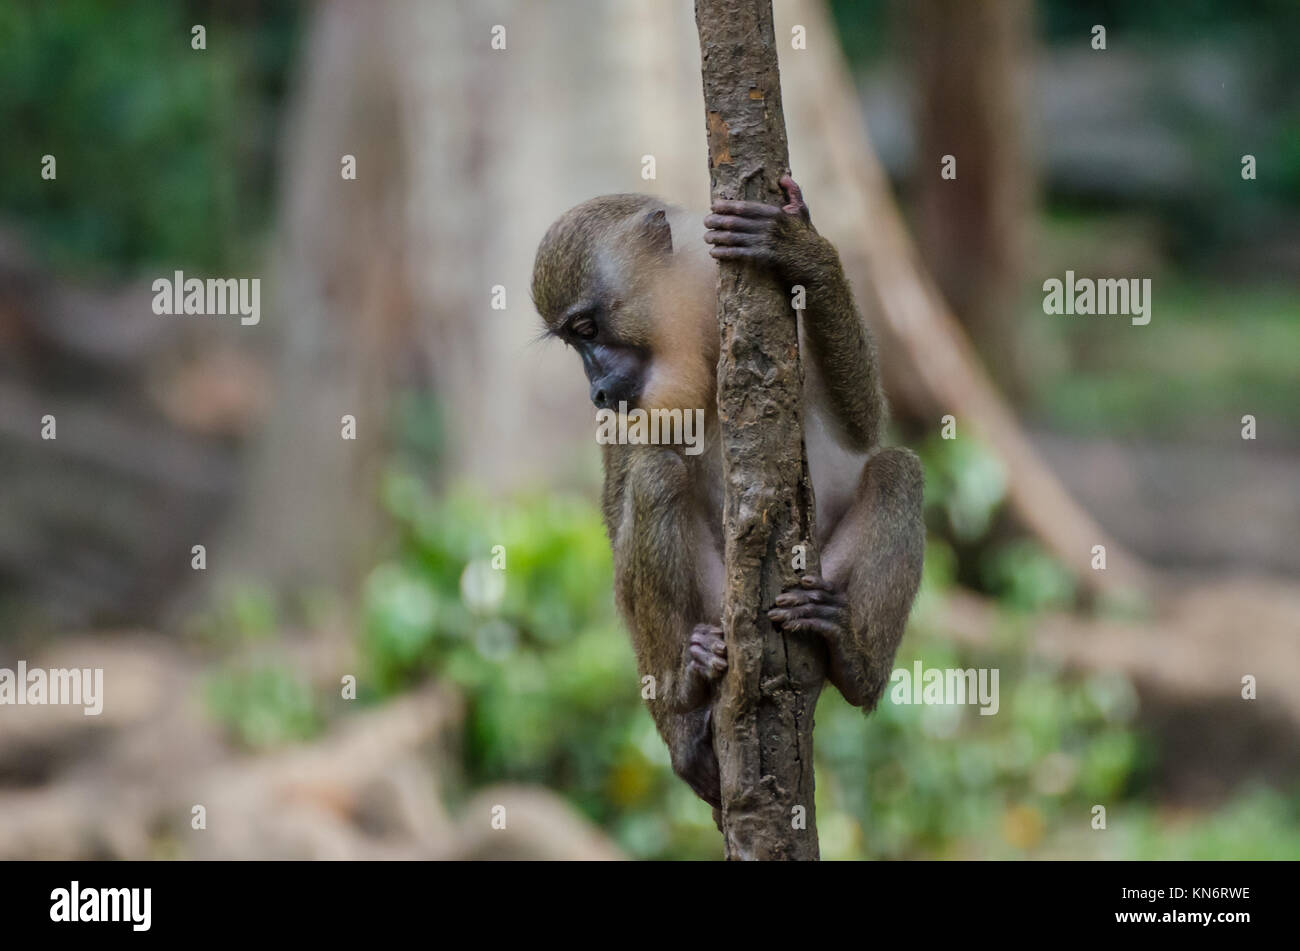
(970, 63)
(337, 326)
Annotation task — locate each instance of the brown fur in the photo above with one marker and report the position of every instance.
(654, 288)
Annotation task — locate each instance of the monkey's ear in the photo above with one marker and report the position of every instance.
(658, 233)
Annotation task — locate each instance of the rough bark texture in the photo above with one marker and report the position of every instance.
(764, 718)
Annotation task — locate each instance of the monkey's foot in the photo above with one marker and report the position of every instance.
(706, 662)
(708, 653)
(816, 607)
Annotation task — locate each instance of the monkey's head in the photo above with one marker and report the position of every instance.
(608, 283)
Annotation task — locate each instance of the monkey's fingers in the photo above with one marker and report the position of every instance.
(734, 238)
(737, 223)
(795, 205)
(817, 582)
(745, 209)
(758, 256)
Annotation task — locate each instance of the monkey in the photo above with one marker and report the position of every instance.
(629, 282)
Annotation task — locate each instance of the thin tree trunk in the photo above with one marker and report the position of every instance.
(764, 719)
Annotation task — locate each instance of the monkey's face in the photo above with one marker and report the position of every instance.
(592, 285)
(615, 364)
(607, 283)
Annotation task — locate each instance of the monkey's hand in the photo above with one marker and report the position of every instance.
(818, 607)
(706, 662)
(782, 237)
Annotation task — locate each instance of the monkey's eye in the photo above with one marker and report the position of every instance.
(583, 327)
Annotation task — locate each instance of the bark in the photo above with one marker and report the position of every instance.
(764, 718)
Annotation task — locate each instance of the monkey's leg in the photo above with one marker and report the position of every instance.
(871, 568)
(661, 563)
(690, 745)
(687, 722)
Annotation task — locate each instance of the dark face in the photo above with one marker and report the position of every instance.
(592, 286)
(615, 369)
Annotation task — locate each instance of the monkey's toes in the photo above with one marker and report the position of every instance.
(814, 610)
(708, 651)
(815, 606)
(812, 589)
(709, 635)
(707, 664)
(785, 616)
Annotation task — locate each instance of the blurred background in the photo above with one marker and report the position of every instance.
(329, 558)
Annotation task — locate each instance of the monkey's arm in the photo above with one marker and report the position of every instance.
(840, 343)
(658, 560)
(842, 347)
(871, 568)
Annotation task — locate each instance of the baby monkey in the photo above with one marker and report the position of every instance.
(629, 282)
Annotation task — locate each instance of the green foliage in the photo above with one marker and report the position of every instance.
(964, 485)
(536, 646)
(946, 781)
(163, 151)
(1268, 23)
(1260, 824)
(244, 613)
(866, 29)
(263, 706)
(1024, 576)
(554, 699)
(446, 592)
(1207, 347)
